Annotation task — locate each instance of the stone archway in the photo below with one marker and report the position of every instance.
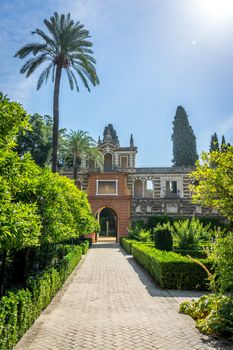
(108, 220)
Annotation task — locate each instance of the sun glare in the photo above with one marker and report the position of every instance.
(217, 10)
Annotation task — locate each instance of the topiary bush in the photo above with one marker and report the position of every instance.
(163, 237)
(172, 270)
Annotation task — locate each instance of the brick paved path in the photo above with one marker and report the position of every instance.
(110, 303)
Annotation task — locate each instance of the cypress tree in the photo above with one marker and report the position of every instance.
(184, 140)
(223, 144)
(214, 144)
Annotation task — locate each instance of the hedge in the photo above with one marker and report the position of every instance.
(171, 270)
(198, 254)
(18, 310)
(126, 243)
(85, 245)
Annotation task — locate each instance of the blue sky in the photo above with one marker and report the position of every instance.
(152, 55)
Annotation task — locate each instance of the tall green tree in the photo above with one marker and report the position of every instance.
(67, 47)
(80, 144)
(223, 144)
(214, 144)
(215, 185)
(38, 139)
(184, 140)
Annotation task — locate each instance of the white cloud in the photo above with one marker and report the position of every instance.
(20, 90)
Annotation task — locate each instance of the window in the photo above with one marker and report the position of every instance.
(138, 189)
(108, 162)
(106, 187)
(171, 188)
(149, 189)
(91, 164)
(124, 162)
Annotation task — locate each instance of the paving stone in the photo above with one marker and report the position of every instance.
(108, 303)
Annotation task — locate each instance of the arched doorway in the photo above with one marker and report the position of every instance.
(108, 162)
(108, 223)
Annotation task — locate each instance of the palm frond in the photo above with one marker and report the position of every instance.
(30, 66)
(45, 37)
(33, 48)
(65, 44)
(44, 75)
(74, 79)
(70, 79)
(82, 77)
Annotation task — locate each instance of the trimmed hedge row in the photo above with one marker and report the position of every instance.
(85, 245)
(171, 270)
(20, 309)
(198, 254)
(126, 243)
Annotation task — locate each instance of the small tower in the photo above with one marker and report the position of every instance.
(131, 142)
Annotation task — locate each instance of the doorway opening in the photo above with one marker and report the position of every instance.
(108, 224)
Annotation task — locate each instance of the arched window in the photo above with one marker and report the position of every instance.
(149, 189)
(108, 166)
(138, 189)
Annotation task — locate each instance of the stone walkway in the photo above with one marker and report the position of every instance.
(109, 302)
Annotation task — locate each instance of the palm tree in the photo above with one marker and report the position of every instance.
(79, 145)
(96, 156)
(67, 47)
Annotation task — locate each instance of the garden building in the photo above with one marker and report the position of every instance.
(122, 192)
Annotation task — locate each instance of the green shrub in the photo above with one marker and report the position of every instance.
(189, 234)
(134, 230)
(85, 246)
(171, 270)
(144, 236)
(213, 313)
(213, 221)
(19, 310)
(222, 255)
(163, 237)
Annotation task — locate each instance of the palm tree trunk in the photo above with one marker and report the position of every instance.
(56, 117)
(75, 168)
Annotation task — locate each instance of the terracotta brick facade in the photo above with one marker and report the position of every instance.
(120, 203)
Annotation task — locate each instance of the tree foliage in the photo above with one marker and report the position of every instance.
(65, 47)
(81, 145)
(13, 119)
(37, 207)
(38, 140)
(184, 140)
(214, 144)
(213, 177)
(222, 254)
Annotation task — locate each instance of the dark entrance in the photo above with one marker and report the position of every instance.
(108, 223)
